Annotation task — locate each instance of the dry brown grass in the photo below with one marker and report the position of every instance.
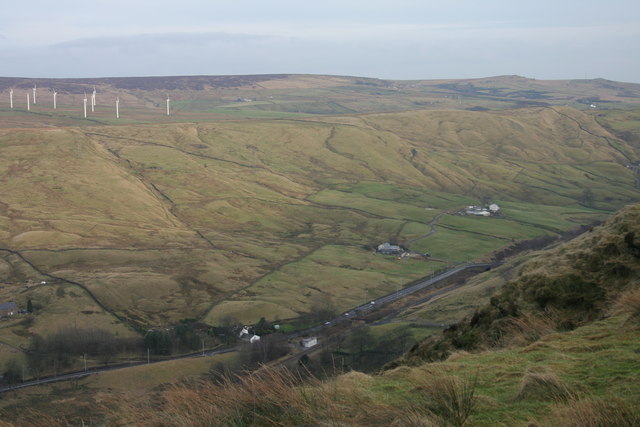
(525, 329)
(273, 396)
(593, 412)
(544, 386)
(447, 400)
(37, 419)
(629, 302)
(269, 396)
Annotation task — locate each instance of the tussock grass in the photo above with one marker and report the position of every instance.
(448, 400)
(525, 329)
(629, 302)
(595, 412)
(544, 386)
(274, 396)
(269, 396)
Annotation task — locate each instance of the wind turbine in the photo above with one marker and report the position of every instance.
(93, 99)
(117, 107)
(85, 105)
(168, 105)
(54, 98)
(11, 97)
(34, 94)
(28, 106)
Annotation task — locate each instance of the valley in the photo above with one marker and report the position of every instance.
(265, 197)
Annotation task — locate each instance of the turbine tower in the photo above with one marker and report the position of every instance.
(11, 97)
(117, 107)
(54, 98)
(93, 99)
(85, 105)
(34, 94)
(168, 105)
(28, 106)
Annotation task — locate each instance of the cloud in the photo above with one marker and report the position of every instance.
(394, 51)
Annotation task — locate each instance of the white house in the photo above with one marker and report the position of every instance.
(477, 211)
(388, 249)
(309, 342)
(254, 339)
(494, 208)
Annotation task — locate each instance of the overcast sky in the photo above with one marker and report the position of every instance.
(398, 39)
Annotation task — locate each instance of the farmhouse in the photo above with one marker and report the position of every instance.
(309, 342)
(477, 211)
(388, 249)
(8, 309)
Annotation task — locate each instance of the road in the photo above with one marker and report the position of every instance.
(432, 224)
(394, 296)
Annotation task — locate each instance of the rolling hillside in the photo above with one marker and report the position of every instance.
(259, 218)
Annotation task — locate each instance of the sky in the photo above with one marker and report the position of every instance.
(399, 39)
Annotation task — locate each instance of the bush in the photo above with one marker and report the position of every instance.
(158, 342)
(568, 292)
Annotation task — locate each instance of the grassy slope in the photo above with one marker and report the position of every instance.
(161, 222)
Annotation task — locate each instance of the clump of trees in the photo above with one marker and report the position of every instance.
(66, 347)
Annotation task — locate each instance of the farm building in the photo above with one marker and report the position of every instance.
(8, 309)
(477, 211)
(309, 342)
(388, 249)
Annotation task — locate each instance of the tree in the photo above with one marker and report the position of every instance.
(12, 372)
(29, 306)
(158, 342)
(263, 327)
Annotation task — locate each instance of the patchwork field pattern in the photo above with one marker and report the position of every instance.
(257, 218)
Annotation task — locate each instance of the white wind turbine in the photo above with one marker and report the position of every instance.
(11, 97)
(34, 94)
(168, 105)
(28, 106)
(117, 107)
(85, 105)
(54, 98)
(93, 99)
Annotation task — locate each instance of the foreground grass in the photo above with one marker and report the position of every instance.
(589, 372)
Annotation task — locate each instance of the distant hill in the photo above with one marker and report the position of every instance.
(283, 95)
